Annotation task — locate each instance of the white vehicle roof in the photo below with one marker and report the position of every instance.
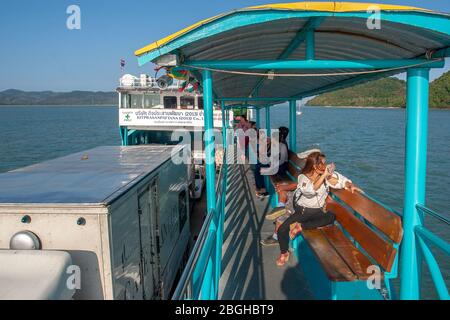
(96, 176)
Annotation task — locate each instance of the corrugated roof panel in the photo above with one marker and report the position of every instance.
(405, 33)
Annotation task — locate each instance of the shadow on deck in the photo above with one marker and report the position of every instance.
(248, 269)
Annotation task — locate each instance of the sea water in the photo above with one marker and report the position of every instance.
(366, 144)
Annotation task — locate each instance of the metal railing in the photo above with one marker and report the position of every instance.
(145, 83)
(425, 238)
(200, 278)
(137, 82)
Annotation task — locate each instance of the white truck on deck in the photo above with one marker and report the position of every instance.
(107, 223)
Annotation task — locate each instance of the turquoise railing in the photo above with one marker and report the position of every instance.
(425, 239)
(200, 278)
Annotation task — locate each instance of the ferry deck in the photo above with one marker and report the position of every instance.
(259, 57)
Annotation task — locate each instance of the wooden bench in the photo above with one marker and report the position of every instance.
(340, 260)
(295, 164)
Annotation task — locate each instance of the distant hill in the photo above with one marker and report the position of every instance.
(440, 91)
(386, 92)
(74, 98)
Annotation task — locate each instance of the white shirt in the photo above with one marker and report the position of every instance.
(284, 153)
(306, 196)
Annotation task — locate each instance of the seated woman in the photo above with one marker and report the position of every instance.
(311, 192)
(282, 163)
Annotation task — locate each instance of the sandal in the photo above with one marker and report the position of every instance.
(282, 259)
(296, 228)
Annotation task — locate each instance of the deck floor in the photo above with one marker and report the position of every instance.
(248, 269)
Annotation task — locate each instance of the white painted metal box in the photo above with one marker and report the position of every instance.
(120, 212)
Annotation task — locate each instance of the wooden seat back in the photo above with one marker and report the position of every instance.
(295, 165)
(388, 223)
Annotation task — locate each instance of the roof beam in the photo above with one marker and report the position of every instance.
(301, 36)
(217, 65)
(298, 39)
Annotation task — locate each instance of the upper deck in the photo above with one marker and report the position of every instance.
(162, 104)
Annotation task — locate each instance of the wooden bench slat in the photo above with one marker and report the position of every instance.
(354, 258)
(332, 263)
(277, 179)
(384, 220)
(379, 249)
(293, 171)
(300, 163)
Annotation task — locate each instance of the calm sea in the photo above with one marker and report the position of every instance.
(367, 145)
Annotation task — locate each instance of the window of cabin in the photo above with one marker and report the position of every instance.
(152, 100)
(136, 101)
(124, 102)
(170, 102)
(187, 102)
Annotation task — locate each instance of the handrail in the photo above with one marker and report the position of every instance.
(433, 239)
(199, 247)
(424, 236)
(432, 213)
(193, 258)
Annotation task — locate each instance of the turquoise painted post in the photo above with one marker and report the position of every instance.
(210, 170)
(124, 132)
(258, 118)
(209, 141)
(292, 126)
(415, 175)
(221, 205)
(268, 120)
(224, 125)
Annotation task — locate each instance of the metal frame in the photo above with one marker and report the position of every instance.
(239, 19)
(205, 269)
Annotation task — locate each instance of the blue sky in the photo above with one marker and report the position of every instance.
(38, 52)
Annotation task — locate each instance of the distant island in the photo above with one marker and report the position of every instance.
(386, 92)
(73, 98)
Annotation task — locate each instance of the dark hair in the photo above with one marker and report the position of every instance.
(312, 161)
(243, 116)
(252, 123)
(283, 133)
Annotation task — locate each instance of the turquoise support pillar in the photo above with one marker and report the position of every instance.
(124, 134)
(210, 168)
(224, 125)
(415, 176)
(268, 120)
(258, 118)
(292, 126)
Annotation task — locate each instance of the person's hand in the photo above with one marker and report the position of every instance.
(279, 188)
(352, 188)
(330, 168)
